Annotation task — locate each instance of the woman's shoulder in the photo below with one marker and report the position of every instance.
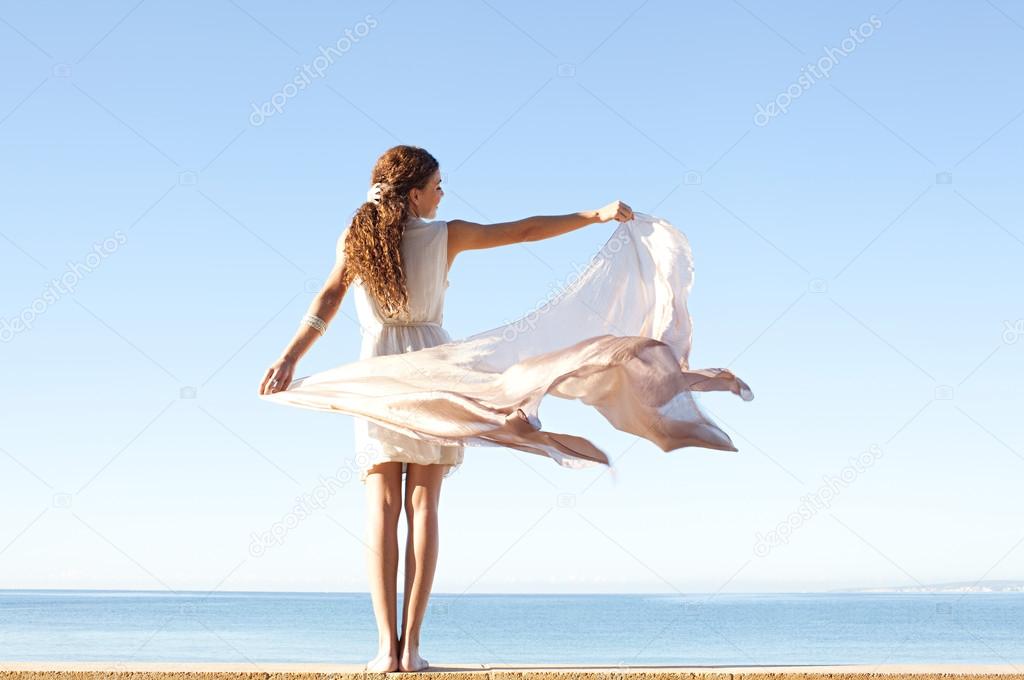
(435, 225)
(419, 222)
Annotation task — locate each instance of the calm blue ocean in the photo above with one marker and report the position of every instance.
(590, 629)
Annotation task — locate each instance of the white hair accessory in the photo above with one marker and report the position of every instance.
(374, 192)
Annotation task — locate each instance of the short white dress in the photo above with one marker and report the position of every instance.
(425, 261)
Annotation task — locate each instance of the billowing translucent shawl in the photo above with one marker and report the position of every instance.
(616, 336)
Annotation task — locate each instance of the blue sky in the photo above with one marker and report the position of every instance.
(858, 253)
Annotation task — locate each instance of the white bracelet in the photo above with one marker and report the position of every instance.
(316, 322)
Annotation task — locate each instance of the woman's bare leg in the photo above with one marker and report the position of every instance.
(422, 493)
(384, 506)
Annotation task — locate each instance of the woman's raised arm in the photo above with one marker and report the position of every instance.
(463, 235)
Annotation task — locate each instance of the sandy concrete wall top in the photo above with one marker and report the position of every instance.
(214, 671)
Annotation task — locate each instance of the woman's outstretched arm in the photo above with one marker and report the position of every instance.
(325, 305)
(463, 235)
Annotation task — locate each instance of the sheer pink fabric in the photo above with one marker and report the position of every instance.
(617, 337)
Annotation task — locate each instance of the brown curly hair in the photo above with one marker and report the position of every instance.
(372, 252)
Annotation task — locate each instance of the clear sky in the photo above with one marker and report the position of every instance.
(848, 176)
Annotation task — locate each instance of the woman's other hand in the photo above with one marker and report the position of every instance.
(278, 376)
(615, 211)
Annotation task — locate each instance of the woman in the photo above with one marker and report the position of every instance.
(396, 256)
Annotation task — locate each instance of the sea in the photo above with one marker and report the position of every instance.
(627, 630)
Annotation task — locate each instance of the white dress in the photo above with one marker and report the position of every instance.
(617, 337)
(425, 261)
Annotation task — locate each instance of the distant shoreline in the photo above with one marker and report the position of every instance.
(951, 587)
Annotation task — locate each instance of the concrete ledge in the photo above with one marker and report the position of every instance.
(31, 670)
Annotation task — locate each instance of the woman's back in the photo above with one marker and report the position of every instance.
(424, 251)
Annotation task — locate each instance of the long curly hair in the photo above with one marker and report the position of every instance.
(372, 252)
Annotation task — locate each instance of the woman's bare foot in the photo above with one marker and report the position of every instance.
(386, 661)
(411, 661)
